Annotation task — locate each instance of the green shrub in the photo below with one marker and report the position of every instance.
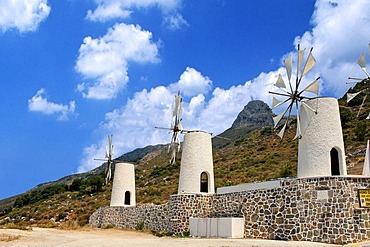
(285, 171)
(360, 130)
(229, 183)
(140, 226)
(61, 216)
(76, 184)
(345, 116)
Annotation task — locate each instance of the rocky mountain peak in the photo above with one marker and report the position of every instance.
(255, 114)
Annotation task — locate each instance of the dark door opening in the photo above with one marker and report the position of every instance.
(334, 159)
(204, 182)
(127, 198)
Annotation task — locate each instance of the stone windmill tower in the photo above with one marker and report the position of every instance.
(196, 170)
(319, 130)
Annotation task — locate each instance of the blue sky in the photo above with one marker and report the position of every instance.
(73, 71)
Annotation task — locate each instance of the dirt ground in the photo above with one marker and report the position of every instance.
(42, 237)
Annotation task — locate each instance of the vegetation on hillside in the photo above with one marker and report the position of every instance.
(250, 157)
(58, 204)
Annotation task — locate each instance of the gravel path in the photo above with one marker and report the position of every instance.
(46, 237)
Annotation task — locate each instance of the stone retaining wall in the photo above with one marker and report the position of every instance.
(154, 217)
(321, 209)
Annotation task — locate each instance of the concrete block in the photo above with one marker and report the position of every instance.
(217, 227)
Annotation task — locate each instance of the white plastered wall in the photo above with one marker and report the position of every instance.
(196, 158)
(123, 181)
(320, 133)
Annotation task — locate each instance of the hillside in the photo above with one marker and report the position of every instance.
(251, 153)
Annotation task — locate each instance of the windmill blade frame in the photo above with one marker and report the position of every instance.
(176, 128)
(295, 96)
(361, 61)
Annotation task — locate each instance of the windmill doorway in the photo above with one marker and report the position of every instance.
(127, 198)
(334, 160)
(204, 182)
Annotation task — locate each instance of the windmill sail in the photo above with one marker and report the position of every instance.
(295, 96)
(276, 102)
(176, 128)
(288, 67)
(351, 96)
(366, 81)
(298, 132)
(313, 87)
(280, 82)
(362, 62)
(366, 169)
(109, 152)
(278, 118)
(300, 58)
(281, 133)
(310, 62)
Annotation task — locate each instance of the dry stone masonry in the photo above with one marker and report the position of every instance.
(321, 209)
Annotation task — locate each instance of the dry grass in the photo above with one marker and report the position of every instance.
(8, 238)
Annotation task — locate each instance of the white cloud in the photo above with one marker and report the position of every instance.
(23, 15)
(107, 11)
(38, 103)
(133, 125)
(339, 35)
(111, 9)
(175, 22)
(104, 61)
(192, 82)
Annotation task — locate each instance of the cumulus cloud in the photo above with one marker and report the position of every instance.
(38, 103)
(192, 82)
(111, 9)
(175, 22)
(103, 62)
(23, 15)
(133, 125)
(339, 35)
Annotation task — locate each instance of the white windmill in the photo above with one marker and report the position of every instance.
(293, 95)
(123, 188)
(362, 63)
(109, 152)
(319, 130)
(196, 170)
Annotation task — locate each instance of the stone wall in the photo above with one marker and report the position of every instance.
(186, 206)
(321, 209)
(155, 217)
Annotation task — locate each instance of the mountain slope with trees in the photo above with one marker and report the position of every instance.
(252, 152)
